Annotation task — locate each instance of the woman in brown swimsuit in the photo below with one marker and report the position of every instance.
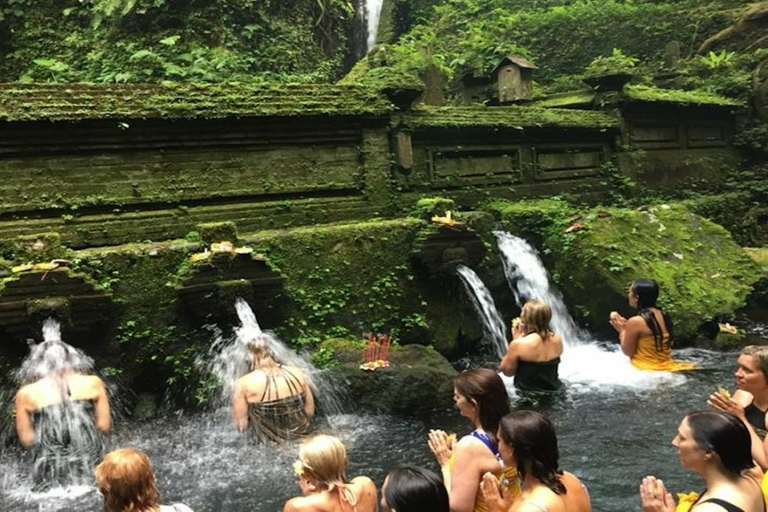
(274, 400)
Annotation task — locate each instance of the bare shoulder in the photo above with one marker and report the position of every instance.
(576, 493)
(311, 503)
(363, 483)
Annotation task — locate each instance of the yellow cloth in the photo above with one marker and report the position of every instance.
(508, 478)
(764, 488)
(686, 501)
(648, 358)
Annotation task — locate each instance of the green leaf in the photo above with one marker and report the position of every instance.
(170, 41)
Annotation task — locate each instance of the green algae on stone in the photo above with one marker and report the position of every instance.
(518, 117)
(56, 102)
(656, 95)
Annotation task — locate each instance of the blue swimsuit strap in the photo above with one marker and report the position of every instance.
(485, 438)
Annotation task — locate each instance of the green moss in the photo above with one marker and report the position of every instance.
(531, 219)
(516, 117)
(570, 99)
(38, 248)
(655, 95)
(702, 273)
(214, 232)
(27, 102)
(426, 207)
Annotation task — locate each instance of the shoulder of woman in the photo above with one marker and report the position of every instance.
(362, 481)
(310, 502)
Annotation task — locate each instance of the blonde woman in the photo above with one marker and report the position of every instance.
(533, 355)
(126, 481)
(321, 470)
(276, 401)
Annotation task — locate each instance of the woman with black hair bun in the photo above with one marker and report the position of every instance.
(717, 446)
(528, 442)
(647, 337)
(413, 489)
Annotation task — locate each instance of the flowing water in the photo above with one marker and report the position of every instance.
(228, 360)
(494, 330)
(372, 15)
(529, 279)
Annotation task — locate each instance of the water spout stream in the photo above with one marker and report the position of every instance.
(494, 330)
(528, 279)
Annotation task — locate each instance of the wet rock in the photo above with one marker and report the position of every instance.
(419, 379)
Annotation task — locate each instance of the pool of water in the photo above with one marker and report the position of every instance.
(614, 423)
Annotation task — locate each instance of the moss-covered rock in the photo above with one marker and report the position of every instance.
(701, 271)
(418, 380)
(597, 253)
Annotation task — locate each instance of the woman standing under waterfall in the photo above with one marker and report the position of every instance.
(61, 415)
(647, 337)
(480, 396)
(533, 355)
(275, 401)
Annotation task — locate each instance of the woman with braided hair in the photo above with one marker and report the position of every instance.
(647, 337)
(528, 442)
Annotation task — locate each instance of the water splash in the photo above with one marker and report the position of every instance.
(67, 443)
(52, 356)
(229, 360)
(529, 279)
(494, 330)
(372, 16)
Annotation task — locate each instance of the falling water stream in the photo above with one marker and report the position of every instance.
(372, 15)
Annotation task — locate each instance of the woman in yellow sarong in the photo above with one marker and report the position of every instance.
(481, 397)
(647, 337)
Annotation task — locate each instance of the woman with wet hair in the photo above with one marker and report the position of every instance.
(126, 481)
(716, 445)
(533, 355)
(413, 489)
(480, 396)
(528, 442)
(276, 401)
(647, 337)
(321, 469)
(61, 414)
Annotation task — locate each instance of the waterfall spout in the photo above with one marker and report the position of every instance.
(372, 15)
(494, 330)
(528, 279)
